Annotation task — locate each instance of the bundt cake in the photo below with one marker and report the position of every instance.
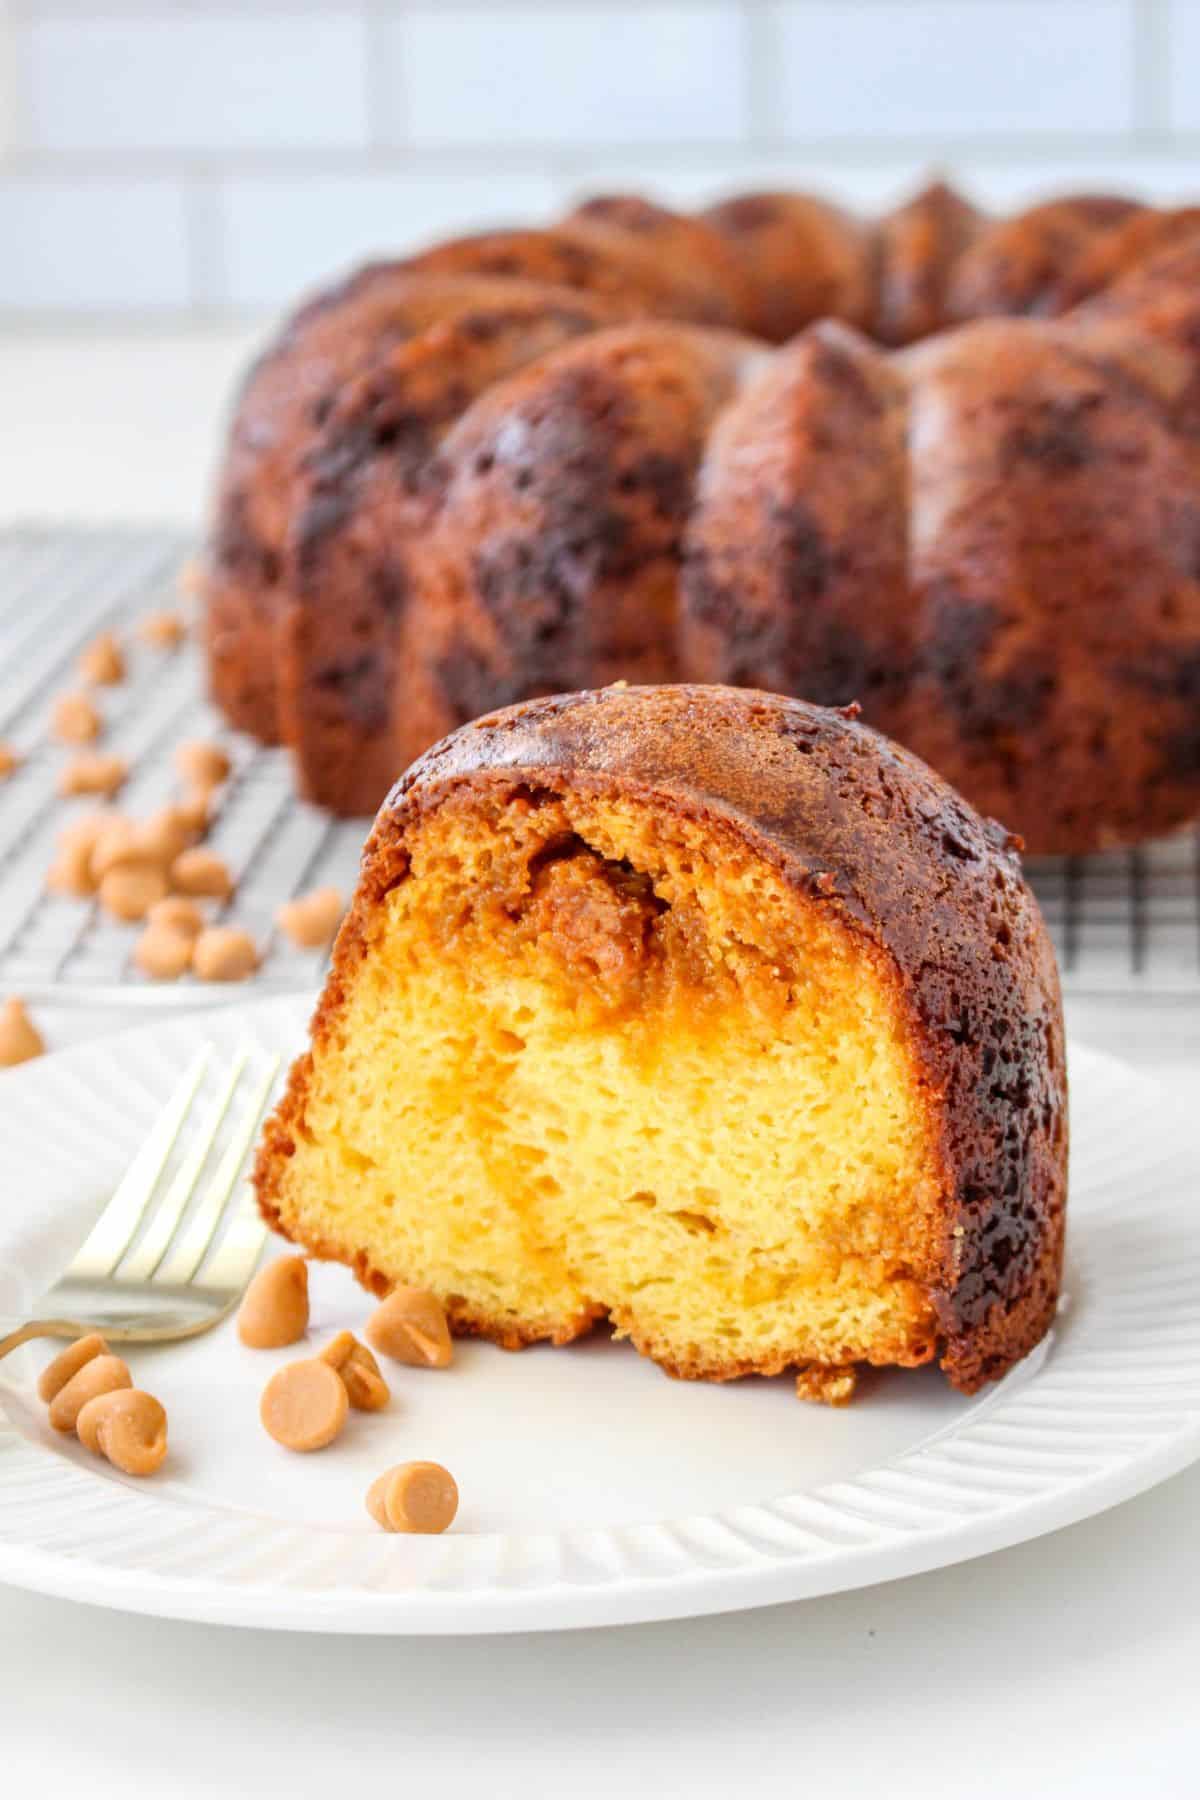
(702, 1010)
(536, 460)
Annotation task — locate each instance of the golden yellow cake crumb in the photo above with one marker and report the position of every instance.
(826, 1386)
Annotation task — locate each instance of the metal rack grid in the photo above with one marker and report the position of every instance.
(1124, 923)
(58, 589)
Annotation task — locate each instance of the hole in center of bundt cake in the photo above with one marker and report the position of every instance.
(600, 1060)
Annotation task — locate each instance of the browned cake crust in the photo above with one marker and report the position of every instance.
(468, 477)
(933, 893)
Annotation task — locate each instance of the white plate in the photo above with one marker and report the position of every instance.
(594, 1491)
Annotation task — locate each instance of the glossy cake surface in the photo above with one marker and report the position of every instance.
(705, 1012)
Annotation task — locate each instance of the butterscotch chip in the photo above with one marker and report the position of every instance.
(274, 1309)
(99, 1375)
(202, 764)
(195, 812)
(88, 828)
(311, 920)
(130, 890)
(94, 772)
(202, 874)
(222, 953)
(411, 1327)
(9, 761)
(827, 1385)
(103, 661)
(176, 913)
(56, 1374)
(71, 872)
(128, 1427)
(163, 954)
(158, 840)
(166, 834)
(162, 630)
(75, 720)
(115, 844)
(414, 1496)
(366, 1389)
(304, 1405)
(20, 1039)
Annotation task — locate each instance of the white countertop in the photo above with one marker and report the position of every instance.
(1064, 1667)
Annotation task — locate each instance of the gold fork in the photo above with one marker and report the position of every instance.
(149, 1273)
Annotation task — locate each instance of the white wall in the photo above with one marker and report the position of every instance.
(209, 156)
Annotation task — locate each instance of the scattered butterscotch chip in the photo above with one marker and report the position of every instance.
(94, 772)
(366, 1389)
(274, 1309)
(99, 1375)
(414, 1496)
(131, 889)
(163, 954)
(71, 871)
(75, 720)
(68, 1363)
(410, 1326)
(304, 1405)
(114, 845)
(162, 630)
(826, 1384)
(195, 812)
(88, 828)
(176, 913)
(202, 764)
(166, 834)
(128, 1427)
(202, 874)
(311, 920)
(9, 761)
(20, 1039)
(103, 661)
(223, 953)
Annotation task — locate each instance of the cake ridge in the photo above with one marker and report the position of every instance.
(373, 579)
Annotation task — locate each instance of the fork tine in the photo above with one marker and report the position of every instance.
(141, 1262)
(231, 1264)
(114, 1230)
(188, 1251)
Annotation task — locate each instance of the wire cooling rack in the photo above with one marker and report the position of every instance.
(1123, 923)
(58, 589)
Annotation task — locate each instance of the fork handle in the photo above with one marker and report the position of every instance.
(36, 1328)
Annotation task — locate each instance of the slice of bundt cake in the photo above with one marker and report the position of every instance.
(709, 1012)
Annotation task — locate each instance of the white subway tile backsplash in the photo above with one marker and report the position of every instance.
(579, 74)
(930, 68)
(1183, 65)
(285, 234)
(8, 77)
(90, 245)
(200, 153)
(220, 81)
